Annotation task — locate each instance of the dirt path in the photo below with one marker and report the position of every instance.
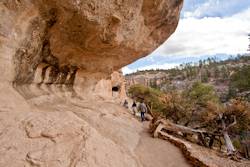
(154, 152)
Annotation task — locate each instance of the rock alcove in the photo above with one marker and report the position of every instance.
(79, 43)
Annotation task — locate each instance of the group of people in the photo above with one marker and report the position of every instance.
(141, 107)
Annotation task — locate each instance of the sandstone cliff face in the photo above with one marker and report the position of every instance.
(94, 36)
(55, 56)
(147, 79)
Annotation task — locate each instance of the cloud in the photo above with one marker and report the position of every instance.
(159, 66)
(209, 35)
(128, 70)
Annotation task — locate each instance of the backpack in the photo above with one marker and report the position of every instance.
(143, 108)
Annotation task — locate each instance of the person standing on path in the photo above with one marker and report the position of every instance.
(134, 107)
(143, 110)
(125, 104)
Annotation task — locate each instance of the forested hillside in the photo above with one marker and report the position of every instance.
(230, 78)
(209, 96)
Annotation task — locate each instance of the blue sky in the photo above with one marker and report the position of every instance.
(207, 28)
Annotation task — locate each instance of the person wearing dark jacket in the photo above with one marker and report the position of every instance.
(134, 107)
(125, 104)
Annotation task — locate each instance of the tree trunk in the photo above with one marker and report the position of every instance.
(169, 126)
(179, 129)
(229, 144)
(228, 141)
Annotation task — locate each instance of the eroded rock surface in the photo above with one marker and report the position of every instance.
(92, 35)
(69, 134)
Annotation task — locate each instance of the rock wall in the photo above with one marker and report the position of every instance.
(94, 37)
(147, 79)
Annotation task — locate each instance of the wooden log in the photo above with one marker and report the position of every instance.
(166, 125)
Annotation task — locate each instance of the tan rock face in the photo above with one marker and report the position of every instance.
(92, 35)
(110, 33)
(146, 79)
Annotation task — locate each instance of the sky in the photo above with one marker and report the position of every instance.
(207, 28)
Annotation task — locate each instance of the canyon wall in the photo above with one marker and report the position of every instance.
(147, 79)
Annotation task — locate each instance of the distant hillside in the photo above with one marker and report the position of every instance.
(229, 77)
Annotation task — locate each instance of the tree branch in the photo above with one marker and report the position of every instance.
(232, 124)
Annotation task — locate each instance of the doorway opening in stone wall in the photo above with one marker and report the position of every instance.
(115, 91)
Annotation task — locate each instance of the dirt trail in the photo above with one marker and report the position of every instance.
(154, 152)
(151, 152)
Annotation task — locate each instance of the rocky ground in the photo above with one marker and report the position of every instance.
(53, 131)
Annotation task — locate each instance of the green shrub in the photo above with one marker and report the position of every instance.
(153, 97)
(201, 93)
(240, 80)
